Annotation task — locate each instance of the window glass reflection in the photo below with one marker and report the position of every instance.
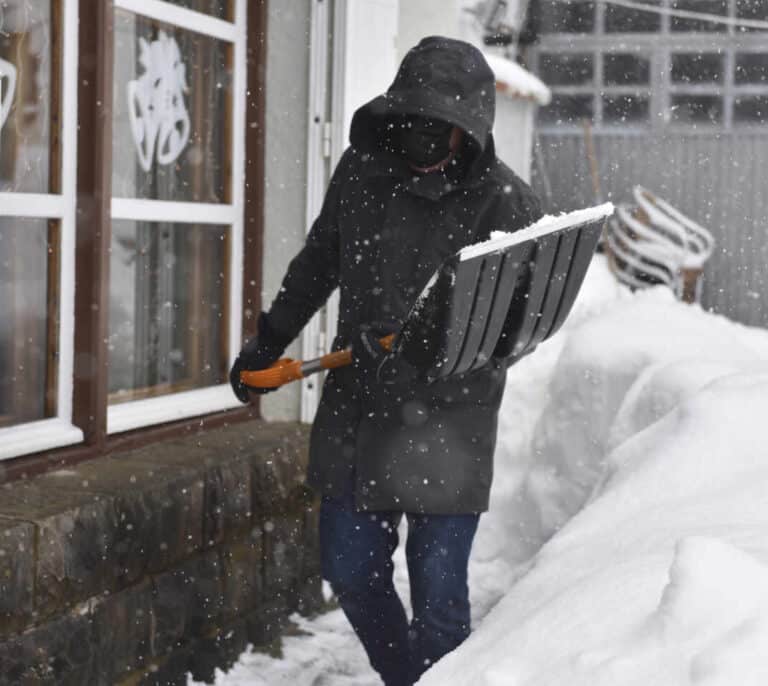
(576, 16)
(28, 97)
(751, 110)
(697, 67)
(628, 20)
(621, 69)
(172, 106)
(751, 9)
(566, 69)
(167, 323)
(626, 109)
(752, 68)
(29, 310)
(689, 24)
(567, 109)
(697, 109)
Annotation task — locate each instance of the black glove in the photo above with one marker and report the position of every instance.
(367, 352)
(372, 361)
(258, 353)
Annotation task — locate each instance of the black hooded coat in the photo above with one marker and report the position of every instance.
(382, 231)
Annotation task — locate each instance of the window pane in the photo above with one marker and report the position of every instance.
(216, 8)
(752, 67)
(697, 109)
(27, 338)
(172, 93)
(567, 109)
(566, 69)
(629, 109)
(625, 69)
(576, 16)
(751, 110)
(25, 97)
(683, 24)
(167, 320)
(625, 20)
(697, 67)
(752, 9)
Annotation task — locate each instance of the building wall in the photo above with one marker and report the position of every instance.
(716, 179)
(285, 166)
(425, 18)
(141, 566)
(676, 105)
(513, 133)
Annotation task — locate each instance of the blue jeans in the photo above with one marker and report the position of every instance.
(357, 548)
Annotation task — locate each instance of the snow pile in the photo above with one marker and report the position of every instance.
(509, 534)
(633, 447)
(648, 473)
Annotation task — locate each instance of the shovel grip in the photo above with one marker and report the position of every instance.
(281, 372)
(343, 358)
(286, 370)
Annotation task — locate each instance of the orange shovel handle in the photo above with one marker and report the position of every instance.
(286, 370)
(281, 372)
(343, 358)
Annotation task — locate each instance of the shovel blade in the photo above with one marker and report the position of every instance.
(527, 288)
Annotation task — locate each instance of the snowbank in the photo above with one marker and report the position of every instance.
(633, 447)
(634, 443)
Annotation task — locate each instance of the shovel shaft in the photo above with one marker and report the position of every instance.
(286, 370)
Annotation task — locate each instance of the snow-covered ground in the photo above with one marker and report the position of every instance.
(627, 541)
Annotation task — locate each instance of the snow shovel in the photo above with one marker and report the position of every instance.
(525, 282)
(286, 370)
(528, 280)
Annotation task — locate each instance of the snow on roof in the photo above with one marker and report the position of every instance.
(516, 80)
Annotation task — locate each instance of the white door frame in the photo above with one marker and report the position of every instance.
(314, 338)
(359, 70)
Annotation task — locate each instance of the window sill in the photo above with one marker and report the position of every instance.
(34, 437)
(170, 408)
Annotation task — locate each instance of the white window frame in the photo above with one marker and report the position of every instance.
(175, 406)
(58, 431)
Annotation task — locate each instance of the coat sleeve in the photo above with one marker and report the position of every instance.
(313, 274)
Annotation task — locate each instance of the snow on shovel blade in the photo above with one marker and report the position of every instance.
(529, 279)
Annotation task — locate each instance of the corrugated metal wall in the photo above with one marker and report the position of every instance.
(718, 179)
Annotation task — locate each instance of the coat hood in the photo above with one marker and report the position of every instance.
(443, 78)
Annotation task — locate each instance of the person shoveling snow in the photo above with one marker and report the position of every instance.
(419, 183)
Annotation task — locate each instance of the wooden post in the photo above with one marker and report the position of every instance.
(94, 193)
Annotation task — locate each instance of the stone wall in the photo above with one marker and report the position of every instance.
(140, 566)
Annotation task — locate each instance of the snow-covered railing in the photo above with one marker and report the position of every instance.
(654, 243)
(696, 241)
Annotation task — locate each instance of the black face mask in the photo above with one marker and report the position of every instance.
(426, 142)
(422, 141)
